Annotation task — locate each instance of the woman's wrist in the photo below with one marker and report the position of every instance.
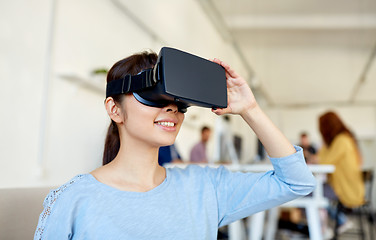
(274, 141)
(251, 113)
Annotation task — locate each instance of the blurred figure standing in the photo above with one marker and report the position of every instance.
(341, 149)
(308, 149)
(198, 152)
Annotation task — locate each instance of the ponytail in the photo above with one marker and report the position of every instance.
(111, 144)
(130, 65)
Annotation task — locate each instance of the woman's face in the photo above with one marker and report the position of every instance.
(152, 125)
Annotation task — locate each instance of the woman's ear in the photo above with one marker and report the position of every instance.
(113, 110)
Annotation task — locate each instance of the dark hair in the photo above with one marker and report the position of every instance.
(130, 65)
(205, 128)
(331, 125)
(303, 134)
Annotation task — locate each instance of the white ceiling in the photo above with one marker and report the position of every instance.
(310, 52)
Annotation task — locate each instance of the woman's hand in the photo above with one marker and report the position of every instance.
(239, 95)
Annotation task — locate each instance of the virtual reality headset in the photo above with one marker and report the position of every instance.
(179, 78)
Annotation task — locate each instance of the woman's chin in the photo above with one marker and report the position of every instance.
(167, 142)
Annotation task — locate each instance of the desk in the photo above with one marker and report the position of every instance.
(256, 223)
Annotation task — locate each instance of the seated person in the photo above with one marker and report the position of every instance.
(168, 154)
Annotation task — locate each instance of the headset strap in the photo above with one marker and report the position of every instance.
(130, 83)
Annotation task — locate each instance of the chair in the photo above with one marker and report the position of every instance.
(362, 211)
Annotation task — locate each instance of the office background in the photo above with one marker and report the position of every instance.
(300, 58)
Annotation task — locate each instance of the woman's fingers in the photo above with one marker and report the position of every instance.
(239, 94)
(229, 71)
(221, 111)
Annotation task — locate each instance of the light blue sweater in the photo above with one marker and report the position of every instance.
(190, 204)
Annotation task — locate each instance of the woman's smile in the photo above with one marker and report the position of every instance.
(167, 124)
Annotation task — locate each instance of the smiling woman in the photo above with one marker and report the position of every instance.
(132, 197)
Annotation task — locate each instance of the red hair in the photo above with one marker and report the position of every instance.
(331, 125)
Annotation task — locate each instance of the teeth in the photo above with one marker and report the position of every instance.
(166, 124)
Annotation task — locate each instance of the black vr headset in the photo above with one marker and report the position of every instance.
(177, 77)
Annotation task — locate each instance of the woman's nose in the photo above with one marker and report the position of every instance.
(171, 108)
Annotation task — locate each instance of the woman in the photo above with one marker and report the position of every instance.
(132, 197)
(341, 150)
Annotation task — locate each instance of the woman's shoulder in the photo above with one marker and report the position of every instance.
(71, 188)
(197, 172)
(343, 138)
(58, 203)
(193, 178)
(194, 168)
(184, 170)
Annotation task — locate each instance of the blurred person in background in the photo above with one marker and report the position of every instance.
(168, 154)
(198, 152)
(308, 149)
(341, 150)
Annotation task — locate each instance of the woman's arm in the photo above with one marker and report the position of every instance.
(242, 194)
(242, 101)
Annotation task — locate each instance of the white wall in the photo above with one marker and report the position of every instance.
(23, 38)
(86, 34)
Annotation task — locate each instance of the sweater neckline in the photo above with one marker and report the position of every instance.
(110, 189)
